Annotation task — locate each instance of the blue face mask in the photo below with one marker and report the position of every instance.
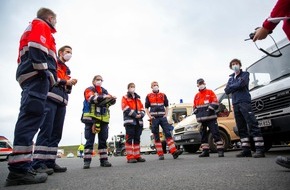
(236, 68)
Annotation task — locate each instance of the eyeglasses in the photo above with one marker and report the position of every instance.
(99, 80)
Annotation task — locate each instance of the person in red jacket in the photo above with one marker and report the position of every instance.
(96, 117)
(49, 136)
(133, 113)
(281, 9)
(205, 105)
(36, 74)
(158, 104)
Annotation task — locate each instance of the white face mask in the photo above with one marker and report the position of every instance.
(236, 68)
(155, 88)
(131, 90)
(201, 87)
(67, 56)
(98, 83)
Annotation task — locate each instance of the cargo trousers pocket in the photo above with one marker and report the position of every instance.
(35, 103)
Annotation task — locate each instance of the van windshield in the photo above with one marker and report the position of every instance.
(269, 69)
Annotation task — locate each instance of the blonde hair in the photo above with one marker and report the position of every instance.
(154, 82)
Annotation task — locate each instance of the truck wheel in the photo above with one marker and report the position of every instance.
(124, 153)
(191, 148)
(224, 138)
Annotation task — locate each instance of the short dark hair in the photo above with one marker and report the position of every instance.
(63, 48)
(44, 13)
(199, 81)
(95, 77)
(235, 60)
(131, 83)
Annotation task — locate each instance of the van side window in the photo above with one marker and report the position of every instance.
(224, 107)
(3, 145)
(178, 114)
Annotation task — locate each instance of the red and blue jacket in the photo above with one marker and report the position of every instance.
(205, 105)
(132, 106)
(37, 52)
(59, 92)
(157, 102)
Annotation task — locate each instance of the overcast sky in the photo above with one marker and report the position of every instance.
(174, 42)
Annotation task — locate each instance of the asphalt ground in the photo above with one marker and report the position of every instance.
(187, 172)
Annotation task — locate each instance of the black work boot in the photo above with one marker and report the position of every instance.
(105, 163)
(44, 169)
(259, 154)
(30, 177)
(221, 153)
(131, 161)
(140, 159)
(86, 165)
(177, 153)
(244, 153)
(59, 169)
(205, 153)
(283, 161)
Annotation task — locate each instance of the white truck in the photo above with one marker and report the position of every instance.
(146, 146)
(270, 92)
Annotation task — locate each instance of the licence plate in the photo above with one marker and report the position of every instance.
(177, 138)
(265, 123)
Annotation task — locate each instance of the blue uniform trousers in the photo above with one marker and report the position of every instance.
(49, 135)
(102, 142)
(133, 133)
(162, 121)
(248, 126)
(213, 128)
(30, 118)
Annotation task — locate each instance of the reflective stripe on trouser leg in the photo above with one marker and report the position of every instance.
(171, 145)
(129, 151)
(136, 151)
(158, 147)
(220, 145)
(40, 153)
(246, 144)
(259, 143)
(205, 146)
(103, 154)
(88, 155)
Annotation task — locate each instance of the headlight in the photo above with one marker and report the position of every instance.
(192, 127)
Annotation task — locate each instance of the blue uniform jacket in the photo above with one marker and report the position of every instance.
(239, 87)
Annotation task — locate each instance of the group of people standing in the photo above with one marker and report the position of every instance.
(45, 80)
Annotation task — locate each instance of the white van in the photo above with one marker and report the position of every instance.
(270, 92)
(5, 148)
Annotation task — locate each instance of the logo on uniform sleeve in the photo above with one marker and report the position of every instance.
(42, 39)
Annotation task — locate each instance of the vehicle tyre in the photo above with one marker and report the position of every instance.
(191, 148)
(224, 138)
(124, 153)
